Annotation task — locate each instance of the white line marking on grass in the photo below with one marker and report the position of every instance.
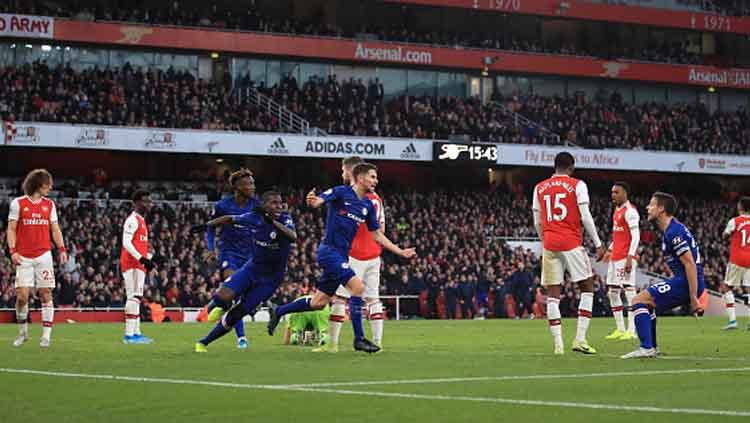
(510, 401)
(518, 377)
(561, 404)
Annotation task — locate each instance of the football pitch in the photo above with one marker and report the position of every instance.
(430, 371)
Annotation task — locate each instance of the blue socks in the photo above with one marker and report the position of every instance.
(239, 329)
(297, 306)
(355, 313)
(217, 332)
(644, 325)
(653, 328)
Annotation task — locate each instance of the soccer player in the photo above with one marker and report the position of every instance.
(235, 243)
(738, 269)
(364, 259)
(273, 234)
(135, 263)
(560, 207)
(622, 252)
(300, 325)
(348, 207)
(31, 220)
(684, 259)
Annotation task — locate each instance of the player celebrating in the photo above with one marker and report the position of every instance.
(560, 206)
(738, 269)
(135, 262)
(300, 325)
(684, 259)
(235, 242)
(255, 282)
(622, 263)
(348, 207)
(364, 259)
(31, 220)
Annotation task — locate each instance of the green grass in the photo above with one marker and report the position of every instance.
(414, 350)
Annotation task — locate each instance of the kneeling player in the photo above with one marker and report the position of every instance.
(308, 328)
(258, 279)
(684, 259)
(738, 269)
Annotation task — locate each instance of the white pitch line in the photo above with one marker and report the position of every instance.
(510, 401)
(518, 377)
(561, 404)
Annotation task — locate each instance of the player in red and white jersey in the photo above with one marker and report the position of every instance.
(738, 269)
(135, 262)
(31, 220)
(561, 208)
(364, 260)
(626, 236)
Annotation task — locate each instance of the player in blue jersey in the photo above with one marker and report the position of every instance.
(235, 242)
(686, 285)
(348, 207)
(256, 281)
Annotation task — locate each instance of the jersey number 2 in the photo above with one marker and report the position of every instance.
(558, 206)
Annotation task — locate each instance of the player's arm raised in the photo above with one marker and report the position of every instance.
(582, 193)
(314, 200)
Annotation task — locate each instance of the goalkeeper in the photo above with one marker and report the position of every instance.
(308, 328)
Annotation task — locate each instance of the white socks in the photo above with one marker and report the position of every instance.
(132, 316)
(335, 321)
(377, 315)
(584, 315)
(615, 301)
(729, 304)
(22, 315)
(553, 317)
(48, 318)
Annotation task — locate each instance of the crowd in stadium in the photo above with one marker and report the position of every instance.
(172, 99)
(253, 19)
(460, 259)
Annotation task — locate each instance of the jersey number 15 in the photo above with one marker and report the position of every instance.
(560, 210)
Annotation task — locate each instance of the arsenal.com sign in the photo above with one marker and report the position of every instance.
(26, 26)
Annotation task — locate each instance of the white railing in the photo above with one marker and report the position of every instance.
(288, 120)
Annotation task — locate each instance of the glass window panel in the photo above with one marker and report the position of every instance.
(7, 54)
(273, 75)
(646, 94)
(451, 84)
(319, 70)
(508, 86)
(178, 62)
(548, 87)
(119, 58)
(421, 83)
(731, 101)
(28, 53)
(679, 95)
(394, 81)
